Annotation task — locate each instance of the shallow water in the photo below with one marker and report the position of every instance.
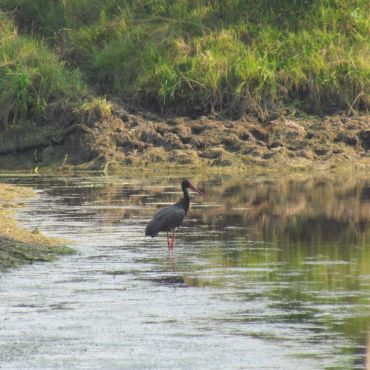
(268, 272)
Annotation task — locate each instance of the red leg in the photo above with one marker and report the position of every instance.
(168, 242)
(173, 239)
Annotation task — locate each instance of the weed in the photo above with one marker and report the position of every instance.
(32, 77)
(233, 56)
(96, 106)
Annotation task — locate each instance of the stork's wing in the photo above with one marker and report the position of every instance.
(164, 211)
(165, 220)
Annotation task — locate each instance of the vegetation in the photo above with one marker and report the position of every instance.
(191, 56)
(17, 244)
(34, 83)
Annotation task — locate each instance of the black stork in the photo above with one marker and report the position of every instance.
(169, 218)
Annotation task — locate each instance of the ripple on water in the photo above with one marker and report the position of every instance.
(254, 281)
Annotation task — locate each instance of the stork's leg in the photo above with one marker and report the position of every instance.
(173, 238)
(168, 242)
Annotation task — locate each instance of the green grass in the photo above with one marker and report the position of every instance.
(198, 56)
(33, 80)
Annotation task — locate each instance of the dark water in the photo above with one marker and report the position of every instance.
(269, 272)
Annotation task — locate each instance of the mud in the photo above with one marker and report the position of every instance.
(136, 138)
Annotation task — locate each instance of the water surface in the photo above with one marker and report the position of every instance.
(269, 272)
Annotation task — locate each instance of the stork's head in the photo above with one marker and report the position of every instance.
(186, 184)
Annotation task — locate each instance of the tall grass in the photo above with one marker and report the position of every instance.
(233, 56)
(32, 78)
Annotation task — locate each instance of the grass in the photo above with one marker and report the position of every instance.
(12, 197)
(17, 244)
(96, 105)
(197, 56)
(33, 80)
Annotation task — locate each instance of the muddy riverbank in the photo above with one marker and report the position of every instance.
(19, 245)
(120, 137)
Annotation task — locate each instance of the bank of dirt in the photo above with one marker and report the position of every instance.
(18, 245)
(123, 137)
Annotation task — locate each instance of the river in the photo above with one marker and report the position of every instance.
(268, 272)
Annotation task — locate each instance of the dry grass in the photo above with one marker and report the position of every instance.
(12, 197)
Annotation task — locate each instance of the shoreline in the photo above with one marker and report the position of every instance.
(143, 140)
(18, 245)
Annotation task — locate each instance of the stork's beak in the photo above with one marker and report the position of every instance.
(198, 191)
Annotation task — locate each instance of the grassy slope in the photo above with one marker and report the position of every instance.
(198, 55)
(33, 81)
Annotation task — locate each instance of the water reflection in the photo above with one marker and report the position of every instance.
(286, 257)
(367, 359)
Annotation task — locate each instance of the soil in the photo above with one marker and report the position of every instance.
(145, 140)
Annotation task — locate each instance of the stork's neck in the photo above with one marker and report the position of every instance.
(186, 200)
